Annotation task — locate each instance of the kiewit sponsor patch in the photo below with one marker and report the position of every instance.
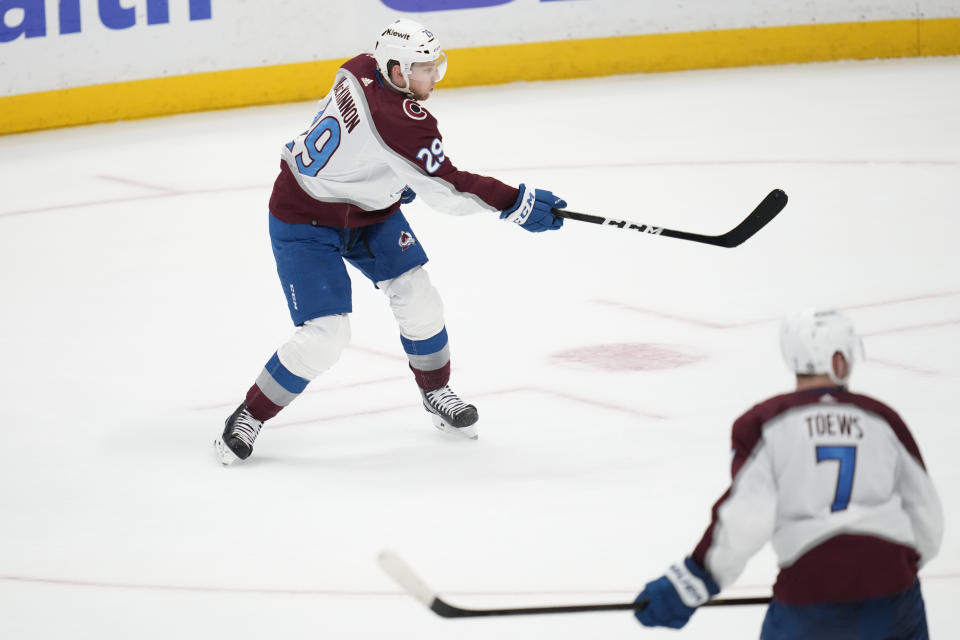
(393, 32)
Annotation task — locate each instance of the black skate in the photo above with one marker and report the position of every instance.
(450, 413)
(239, 432)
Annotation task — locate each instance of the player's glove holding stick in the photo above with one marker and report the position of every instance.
(672, 599)
(533, 210)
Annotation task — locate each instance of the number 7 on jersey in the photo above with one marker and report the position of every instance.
(847, 457)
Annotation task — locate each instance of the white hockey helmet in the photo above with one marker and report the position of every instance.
(406, 42)
(808, 340)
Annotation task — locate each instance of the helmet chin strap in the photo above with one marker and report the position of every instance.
(405, 90)
(406, 87)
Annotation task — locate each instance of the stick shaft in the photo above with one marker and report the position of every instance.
(401, 572)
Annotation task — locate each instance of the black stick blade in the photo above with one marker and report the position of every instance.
(766, 211)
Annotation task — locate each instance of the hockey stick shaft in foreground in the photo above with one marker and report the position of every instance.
(406, 578)
(766, 211)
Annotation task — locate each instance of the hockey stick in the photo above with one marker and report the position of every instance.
(406, 578)
(766, 211)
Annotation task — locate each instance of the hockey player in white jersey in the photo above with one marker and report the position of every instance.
(835, 481)
(370, 148)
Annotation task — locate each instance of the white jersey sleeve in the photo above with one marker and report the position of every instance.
(921, 504)
(744, 518)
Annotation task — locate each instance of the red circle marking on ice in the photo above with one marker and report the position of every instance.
(630, 356)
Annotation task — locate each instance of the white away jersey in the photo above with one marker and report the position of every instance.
(836, 482)
(365, 145)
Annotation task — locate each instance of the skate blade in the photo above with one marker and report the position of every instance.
(465, 432)
(224, 454)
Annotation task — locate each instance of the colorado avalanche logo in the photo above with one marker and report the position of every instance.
(406, 240)
(414, 110)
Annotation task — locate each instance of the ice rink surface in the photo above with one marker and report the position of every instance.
(140, 300)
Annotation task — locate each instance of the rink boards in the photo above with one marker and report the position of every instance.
(79, 64)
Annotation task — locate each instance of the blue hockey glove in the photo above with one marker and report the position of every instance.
(533, 210)
(407, 196)
(672, 599)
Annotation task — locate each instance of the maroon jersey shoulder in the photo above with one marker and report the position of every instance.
(748, 428)
(774, 406)
(402, 123)
(891, 417)
(410, 130)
